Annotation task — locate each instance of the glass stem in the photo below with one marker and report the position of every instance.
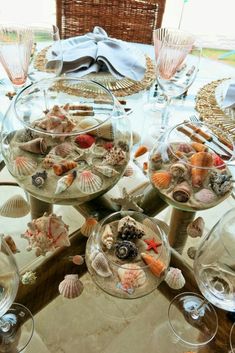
(165, 115)
(4, 325)
(196, 311)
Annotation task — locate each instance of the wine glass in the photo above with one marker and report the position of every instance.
(13, 317)
(16, 41)
(232, 339)
(177, 66)
(192, 317)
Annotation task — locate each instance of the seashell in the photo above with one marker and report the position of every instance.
(156, 159)
(129, 229)
(128, 171)
(105, 131)
(156, 266)
(185, 148)
(15, 207)
(220, 183)
(106, 171)
(205, 196)
(199, 147)
(84, 141)
(101, 266)
(65, 182)
(49, 160)
(116, 156)
(87, 123)
(124, 146)
(107, 237)
(37, 145)
(200, 162)
(28, 277)
(174, 278)
(89, 183)
(131, 277)
(195, 228)
(71, 287)
(108, 145)
(218, 162)
(77, 260)
(145, 167)
(140, 151)
(88, 226)
(63, 167)
(62, 150)
(39, 178)
(182, 192)
(161, 180)
(23, 166)
(191, 252)
(126, 250)
(12, 245)
(178, 170)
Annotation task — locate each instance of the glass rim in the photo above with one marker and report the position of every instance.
(219, 224)
(230, 337)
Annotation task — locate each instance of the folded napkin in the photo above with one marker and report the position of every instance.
(95, 52)
(229, 99)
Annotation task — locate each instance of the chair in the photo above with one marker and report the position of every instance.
(129, 20)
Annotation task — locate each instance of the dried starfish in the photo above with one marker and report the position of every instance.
(88, 154)
(129, 202)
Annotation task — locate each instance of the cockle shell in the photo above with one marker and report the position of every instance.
(182, 192)
(178, 170)
(63, 167)
(174, 278)
(39, 178)
(101, 266)
(23, 166)
(12, 245)
(38, 146)
(88, 226)
(199, 147)
(201, 162)
(128, 171)
(156, 266)
(89, 183)
(15, 207)
(107, 237)
(140, 151)
(71, 287)
(161, 180)
(106, 171)
(115, 156)
(131, 277)
(205, 196)
(65, 182)
(195, 228)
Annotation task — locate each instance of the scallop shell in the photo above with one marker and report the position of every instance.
(182, 192)
(156, 266)
(131, 277)
(140, 151)
(106, 171)
(38, 146)
(107, 237)
(101, 266)
(174, 278)
(199, 147)
(39, 178)
(89, 183)
(191, 252)
(205, 196)
(195, 228)
(178, 170)
(200, 162)
(128, 171)
(15, 207)
(23, 166)
(161, 180)
(63, 167)
(88, 226)
(62, 150)
(71, 287)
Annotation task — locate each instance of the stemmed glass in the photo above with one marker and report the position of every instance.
(192, 318)
(232, 339)
(13, 317)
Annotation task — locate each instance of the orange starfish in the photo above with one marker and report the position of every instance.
(152, 244)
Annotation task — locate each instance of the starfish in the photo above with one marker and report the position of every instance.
(129, 202)
(87, 154)
(152, 244)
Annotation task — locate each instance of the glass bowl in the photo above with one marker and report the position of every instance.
(128, 254)
(68, 140)
(189, 166)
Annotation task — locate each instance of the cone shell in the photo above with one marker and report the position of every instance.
(105, 131)
(200, 162)
(156, 266)
(71, 287)
(161, 180)
(174, 278)
(65, 182)
(15, 207)
(106, 171)
(131, 276)
(195, 228)
(107, 237)
(178, 170)
(205, 196)
(38, 146)
(88, 227)
(63, 167)
(23, 166)
(89, 183)
(140, 151)
(101, 266)
(182, 192)
(199, 147)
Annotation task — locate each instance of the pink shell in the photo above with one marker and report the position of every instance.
(131, 276)
(88, 226)
(89, 182)
(71, 287)
(205, 196)
(23, 166)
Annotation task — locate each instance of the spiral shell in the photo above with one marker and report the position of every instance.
(161, 180)
(39, 179)
(15, 207)
(107, 237)
(101, 266)
(23, 166)
(182, 192)
(89, 183)
(38, 146)
(63, 167)
(195, 228)
(71, 287)
(126, 250)
(174, 278)
(88, 226)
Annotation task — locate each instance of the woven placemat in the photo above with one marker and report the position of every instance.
(119, 88)
(210, 111)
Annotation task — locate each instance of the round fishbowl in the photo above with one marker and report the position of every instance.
(128, 254)
(67, 141)
(189, 166)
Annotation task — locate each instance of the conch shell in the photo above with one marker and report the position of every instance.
(38, 146)
(200, 162)
(107, 237)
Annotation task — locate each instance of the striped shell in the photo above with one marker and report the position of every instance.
(174, 278)
(161, 180)
(107, 237)
(88, 226)
(23, 166)
(15, 207)
(131, 277)
(38, 146)
(71, 287)
(140, 151)
(106, 171)
(101, 266)
(89, 183)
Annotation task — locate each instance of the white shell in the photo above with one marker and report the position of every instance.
(15, 207)
(174, 278)
(23, 166)
(106, 171)
(131, 276)
(88, 226)
(71, 287)
(89, 183)
(107, 237)
(101, 266)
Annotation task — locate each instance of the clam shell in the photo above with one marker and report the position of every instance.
(174, 278)
(161, 180)
(23, 166)
(131, 276)
(106, 171)
(38, 146)
(71, 287)
(101, 266)
(205, 196)
(195, 228)
(201, 162)
(15, 207)
(89, 183)
(182, 192)
(107, 237)
(88, 226)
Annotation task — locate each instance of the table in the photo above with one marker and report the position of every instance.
(96, 322)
